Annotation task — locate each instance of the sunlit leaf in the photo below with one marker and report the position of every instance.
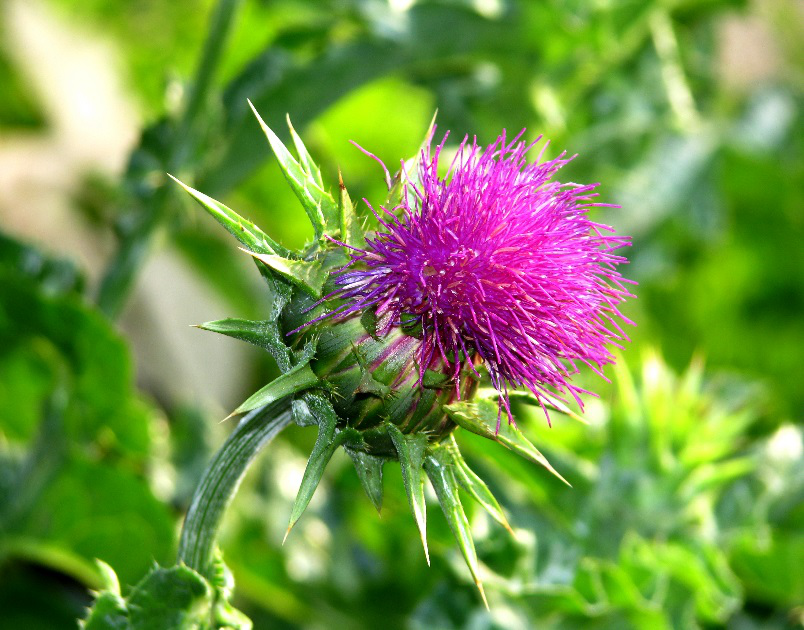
(481, 417)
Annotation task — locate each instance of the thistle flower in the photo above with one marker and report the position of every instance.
(494, 262)
(493, 272)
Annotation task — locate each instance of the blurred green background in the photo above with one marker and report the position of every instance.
(686, 510)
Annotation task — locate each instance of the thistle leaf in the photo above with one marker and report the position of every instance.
(369, 471)
(108, 612)
(369, 322)
(175, 597)
(109, 608)
(410, 449)
(305, 159)
(474, 485)
(369, 385)
(309, 275)
(243, 230)
(317, 202)
(224, 615)
(325, 444)
(480, 417)
(440, 470)
(436, 380)
(545, 400)
(264, 334)
(299, 378)
(351, 232)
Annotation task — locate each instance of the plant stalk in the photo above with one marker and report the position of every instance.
(221, 479)
(152, 211)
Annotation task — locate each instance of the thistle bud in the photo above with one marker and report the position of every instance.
(485, 283)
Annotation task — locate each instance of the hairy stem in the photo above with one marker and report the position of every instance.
(221, 479)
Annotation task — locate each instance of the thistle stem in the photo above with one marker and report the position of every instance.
(221, 479)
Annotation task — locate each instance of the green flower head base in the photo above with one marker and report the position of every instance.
(486, 284)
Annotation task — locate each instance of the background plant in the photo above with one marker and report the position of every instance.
(686, 507)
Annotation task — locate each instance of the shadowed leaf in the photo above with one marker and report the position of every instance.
(410, 449)
(369, 471)
(440, 470)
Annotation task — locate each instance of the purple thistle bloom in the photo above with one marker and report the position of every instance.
(498, 264)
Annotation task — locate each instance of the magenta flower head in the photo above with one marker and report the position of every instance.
(495, 263)
(481, 283)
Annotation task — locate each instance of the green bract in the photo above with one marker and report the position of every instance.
(363, 391)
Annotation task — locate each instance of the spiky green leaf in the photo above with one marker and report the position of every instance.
(299, 378)
(473, 484)
(264, 334)
(481, 417)
(108, 612)
(410, 449)
(177, 597)
(309, 275)
(224, 615)
(317, 202)
(305, 159)
(109, 609)
(243, 230)
(545, 400)
(440, 469)
(369, 471)
(369, 322)
(436, 380)
(325, 444)
(368, 384)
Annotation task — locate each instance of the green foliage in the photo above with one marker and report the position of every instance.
(75, 455)
(651, 533)
(175, 598)
(76, 443)
(17, 107)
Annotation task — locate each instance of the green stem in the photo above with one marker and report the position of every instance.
(221, 480)
(150, 212)
(220, 26)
